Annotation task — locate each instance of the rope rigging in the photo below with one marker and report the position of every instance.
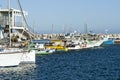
(31, 30)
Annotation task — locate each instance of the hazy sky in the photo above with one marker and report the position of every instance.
(70, 15)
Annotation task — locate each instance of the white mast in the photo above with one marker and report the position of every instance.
(9, 23)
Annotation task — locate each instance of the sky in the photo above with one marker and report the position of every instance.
(61, 16)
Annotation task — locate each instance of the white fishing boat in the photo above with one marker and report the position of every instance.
(40, 49)
(96, 43)
(73, 46)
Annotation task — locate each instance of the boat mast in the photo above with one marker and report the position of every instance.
(86, 30)
(9, 23)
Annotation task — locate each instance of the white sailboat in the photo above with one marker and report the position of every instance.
(10, 57)
(14, 56)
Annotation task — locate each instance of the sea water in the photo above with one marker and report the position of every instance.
(100, 63)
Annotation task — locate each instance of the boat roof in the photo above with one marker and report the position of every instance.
(41, 41)
(57, 40)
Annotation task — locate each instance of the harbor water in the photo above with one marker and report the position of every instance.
(100, 63)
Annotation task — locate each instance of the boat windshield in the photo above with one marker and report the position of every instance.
(1, 49)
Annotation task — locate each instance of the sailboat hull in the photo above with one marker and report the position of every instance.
(28, 57)
(10, 59)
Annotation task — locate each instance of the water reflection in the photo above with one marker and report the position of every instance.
(21, 72)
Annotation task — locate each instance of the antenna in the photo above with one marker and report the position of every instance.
(9, 22)
(0, 6)
(85, 27)
(52, 29)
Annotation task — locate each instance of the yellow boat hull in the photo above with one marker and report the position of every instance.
(60, 48)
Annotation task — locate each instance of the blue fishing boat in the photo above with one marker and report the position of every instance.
(109, 41)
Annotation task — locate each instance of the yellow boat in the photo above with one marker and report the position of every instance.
(57, 44)
(58, 48)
